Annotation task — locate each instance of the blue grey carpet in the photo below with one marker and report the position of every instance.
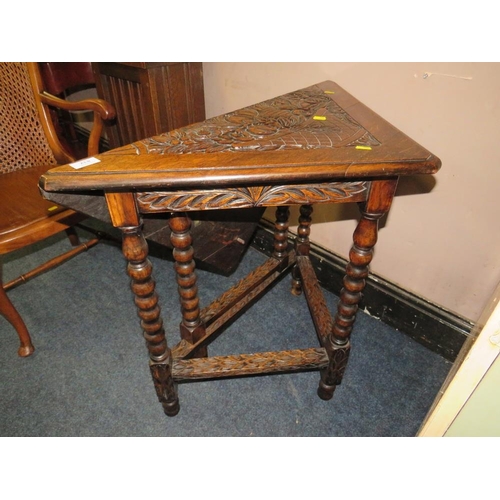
(89, 375)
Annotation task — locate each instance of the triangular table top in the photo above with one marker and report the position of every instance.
(319, 133)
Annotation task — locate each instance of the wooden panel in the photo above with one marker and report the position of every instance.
(150, 98)
(254, 196)
(132, 110)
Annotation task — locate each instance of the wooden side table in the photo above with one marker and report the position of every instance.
(315, 145)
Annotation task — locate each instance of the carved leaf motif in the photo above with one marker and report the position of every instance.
(164, 383)
(250, 197)
(338, 363)
(250, 364)
(315, 298)
(311, 194)
(204, 200)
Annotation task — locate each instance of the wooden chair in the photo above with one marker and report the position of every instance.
(29, 146)
(63, 80)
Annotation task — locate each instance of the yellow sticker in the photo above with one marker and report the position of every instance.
(319, 117)
(51, 209)
(367, 148)
(329, 92)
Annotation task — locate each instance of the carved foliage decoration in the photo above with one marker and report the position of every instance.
(255, 196)
(250, 364)
(338, 363)
(315, 299)
(283, 123)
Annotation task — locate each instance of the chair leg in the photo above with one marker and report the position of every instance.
(10, 313)
(73, 236)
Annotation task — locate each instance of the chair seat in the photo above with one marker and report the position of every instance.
(29, 138)
(25, 215)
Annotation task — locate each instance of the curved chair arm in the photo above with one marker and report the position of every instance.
(103, 110)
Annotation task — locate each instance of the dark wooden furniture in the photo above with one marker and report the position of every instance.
(316, 145)
(62, 79)
(29, 147)
(150, 98)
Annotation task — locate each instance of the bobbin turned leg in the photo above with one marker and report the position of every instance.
(360, 256)
(281, 232)
(139, 268)
(302, 245)
(191, 327)
(124, 215)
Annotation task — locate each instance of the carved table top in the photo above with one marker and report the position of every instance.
(317, 134)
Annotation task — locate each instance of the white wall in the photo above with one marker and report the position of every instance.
(442, 238)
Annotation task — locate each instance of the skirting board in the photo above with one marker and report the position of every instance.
(431, 325)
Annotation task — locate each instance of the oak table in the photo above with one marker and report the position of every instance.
(315, 145)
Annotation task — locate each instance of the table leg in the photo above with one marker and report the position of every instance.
(139, 268)
(191, 327)
(360, 256)
(302, 244)
(281, 232)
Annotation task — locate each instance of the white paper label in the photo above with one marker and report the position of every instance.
(84, 163)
